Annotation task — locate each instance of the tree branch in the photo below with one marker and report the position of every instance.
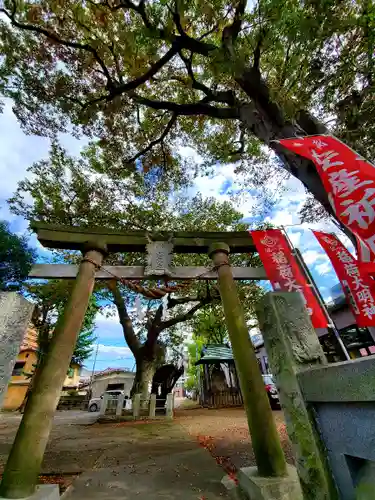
(257, 52)
(139, 9)
(231, 32)
(57, 39)
(125, 321)
(197, 108)
(185, 316)
(184, 40)
(167, 129)
(133, 84)
(153, 327)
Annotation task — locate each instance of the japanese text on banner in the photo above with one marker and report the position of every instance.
(358, 287)
(284, 272)
(349, 181)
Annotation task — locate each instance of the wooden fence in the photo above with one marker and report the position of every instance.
(222, 399)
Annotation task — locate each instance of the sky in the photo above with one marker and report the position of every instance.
(18, 151)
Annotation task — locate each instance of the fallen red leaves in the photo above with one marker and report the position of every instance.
(208, 443)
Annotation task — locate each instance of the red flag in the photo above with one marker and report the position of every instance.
(349, 181)
(284, 272)
(358, 287)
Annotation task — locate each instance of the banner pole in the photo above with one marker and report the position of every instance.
(331, 325)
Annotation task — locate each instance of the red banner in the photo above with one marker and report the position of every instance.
(284, 272)
(349, 181)
(358, 287)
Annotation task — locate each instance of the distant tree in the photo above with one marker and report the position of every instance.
(194, 372)
(209, 325)
(84, 346)
(50, 298)
(16, 258)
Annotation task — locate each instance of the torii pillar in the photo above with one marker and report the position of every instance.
(265, 440)
(25, 459)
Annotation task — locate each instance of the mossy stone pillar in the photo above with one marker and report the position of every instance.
(292, 345)
(265, 439)
(25, 459)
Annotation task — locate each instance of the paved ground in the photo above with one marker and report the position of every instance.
(225, 434)
(161, 460)
(143, 460)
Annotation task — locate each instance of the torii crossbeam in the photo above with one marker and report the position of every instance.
(75, 238)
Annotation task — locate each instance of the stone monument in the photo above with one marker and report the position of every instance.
(15, 315)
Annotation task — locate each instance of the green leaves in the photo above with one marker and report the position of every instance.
(50, 298)
(16, 258)
(103, 66)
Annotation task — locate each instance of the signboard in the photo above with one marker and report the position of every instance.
(358, 287)
(284, 272)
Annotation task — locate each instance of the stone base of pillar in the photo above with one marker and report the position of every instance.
(43, 492)
(251, 486)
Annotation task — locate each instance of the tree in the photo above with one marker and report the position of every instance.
(209, 325)
(84, 345)
(142, 78)
(50, 298)
(63, 192)
(16, 258)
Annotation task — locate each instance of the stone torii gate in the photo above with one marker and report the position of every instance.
(24, 462)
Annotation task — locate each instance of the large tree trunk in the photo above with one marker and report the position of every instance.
(164, 380)
(148, 359)
(264, 118)
(145, 369)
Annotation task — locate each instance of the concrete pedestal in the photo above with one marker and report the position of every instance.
(253, 487)
(43, 492)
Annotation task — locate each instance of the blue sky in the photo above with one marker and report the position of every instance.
(18, 152)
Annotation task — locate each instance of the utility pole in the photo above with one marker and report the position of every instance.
(93, 368)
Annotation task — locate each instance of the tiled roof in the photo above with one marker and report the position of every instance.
(30, 340)
(107, 371)
(214, 353)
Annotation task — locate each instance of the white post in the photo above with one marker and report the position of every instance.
(169, 406)
(103, 406)
(136, 405)
(120, 405)
(152, 411)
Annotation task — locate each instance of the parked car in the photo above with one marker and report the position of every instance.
(95, 403)
(273, 395)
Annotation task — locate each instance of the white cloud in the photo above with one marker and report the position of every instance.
(323, 268)
(295, 238)
(311, 256)
(281, 218)
(114, 351)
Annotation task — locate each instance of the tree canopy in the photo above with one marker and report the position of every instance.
(143, 78)
(16, 258)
